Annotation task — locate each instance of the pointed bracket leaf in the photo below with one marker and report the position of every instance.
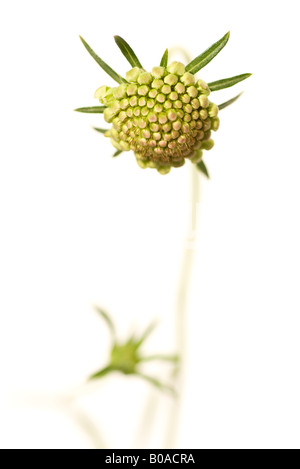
(203, 59)
(101, 131)
(202, 167)
(91, 110)
(227, 82)
(102, 372)
(102, 64)
(227, 103)
(117, 153)
(127, 52)
(108, 321)
(164, 59)
(168, 358)
(156, 383)
(147, 332)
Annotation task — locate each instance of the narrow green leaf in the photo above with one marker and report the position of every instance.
(169, 358)
(201, 166)
(102, 64)
(164, 59)
(227, 103)
(91, 110)
(117, 153)
(156, 383)
(107, 319)
(203, 59)
(127, 52)
(147, 332)
(102, 131)
(227, 82)
(102, 372)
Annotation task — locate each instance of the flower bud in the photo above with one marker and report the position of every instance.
(164, 116)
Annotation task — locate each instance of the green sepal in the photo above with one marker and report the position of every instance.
(146, 334)
(202, 167)
(227, 103)
(164, 59)
(102, 372)
(102, 64)
(107, 319)
(92, 109)
(227, 82)
(168, 358)
(101, 131)
(117, 153)
(156, 383)
(203, 59)
(127, 52)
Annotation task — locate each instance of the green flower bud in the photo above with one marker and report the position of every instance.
(197, 157)
(152, 93)
(188, 79)
(142, 164)
(161, 98)
(108, 114)
(164, 117)
(207, 145)
(203, 87)
(215, 123)
(143, 90)
(213, 110)
(164, 169)
(133, 74)
(180, 88)
(177, 68)
(101, 92)
(171, 79)
(157, 84)
(144, 78)
(131, 90)
(158, 72)
(166, 89)
(120, 92)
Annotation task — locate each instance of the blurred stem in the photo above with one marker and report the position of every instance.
(147, 421)
(179, 50)
(65, 404)
(88, 427)
(181, 310)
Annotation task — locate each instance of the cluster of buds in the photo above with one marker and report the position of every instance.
(165, 116)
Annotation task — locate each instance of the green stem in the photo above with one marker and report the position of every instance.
(180, 51)
(87, 425)
(181, 312)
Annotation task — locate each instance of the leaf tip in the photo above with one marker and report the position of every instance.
(203, 169)
(164, 59)
(117, 153)
(84, 42)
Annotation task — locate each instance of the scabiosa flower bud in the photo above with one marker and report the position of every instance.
(164, 116)
(170, 98)
(126, 357)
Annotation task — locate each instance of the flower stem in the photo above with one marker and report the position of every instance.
(181, 310)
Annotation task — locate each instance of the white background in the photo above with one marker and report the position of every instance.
(79, 228)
